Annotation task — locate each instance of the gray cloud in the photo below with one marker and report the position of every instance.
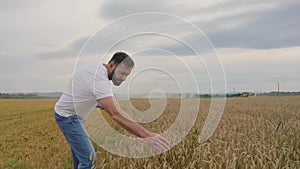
(274, 29)
(16, 4)
(24, 73)
(238, 24)
(133, 33)
(229, 24)
(247, 24)
(263, 27)
(117, 8)
(71, 51)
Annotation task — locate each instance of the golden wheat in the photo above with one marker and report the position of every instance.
(254, 132)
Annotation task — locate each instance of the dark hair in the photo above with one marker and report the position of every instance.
(121, 57)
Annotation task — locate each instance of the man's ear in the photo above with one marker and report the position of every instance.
(111, 64)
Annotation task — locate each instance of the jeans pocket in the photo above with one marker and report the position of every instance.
(58, 117)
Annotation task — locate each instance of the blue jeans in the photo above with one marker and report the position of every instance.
(83, 152)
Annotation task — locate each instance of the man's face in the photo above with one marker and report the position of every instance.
(120, 73)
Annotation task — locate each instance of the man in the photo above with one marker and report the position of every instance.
(89, 87)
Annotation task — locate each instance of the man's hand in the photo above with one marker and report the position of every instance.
(158, 142)
(155, 140)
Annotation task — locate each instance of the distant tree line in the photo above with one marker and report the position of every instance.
(247, 94)
(20, 96)
(243, 94)
(274, 93)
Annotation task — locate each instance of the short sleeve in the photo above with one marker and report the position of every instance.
(102, 85)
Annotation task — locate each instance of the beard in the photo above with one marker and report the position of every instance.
(113, 78)
(116, 82)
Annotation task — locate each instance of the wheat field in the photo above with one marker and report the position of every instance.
(254, 132)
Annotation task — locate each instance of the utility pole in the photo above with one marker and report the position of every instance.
(277, 88)
(233, 90)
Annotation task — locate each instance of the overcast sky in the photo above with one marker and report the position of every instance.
(176, 44)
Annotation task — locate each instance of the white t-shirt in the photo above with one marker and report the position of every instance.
(87, 86)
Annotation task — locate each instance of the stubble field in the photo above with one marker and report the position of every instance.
(254, 132)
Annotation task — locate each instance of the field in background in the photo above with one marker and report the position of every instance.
(255, 132)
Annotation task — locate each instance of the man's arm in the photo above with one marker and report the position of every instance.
(118, 115)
